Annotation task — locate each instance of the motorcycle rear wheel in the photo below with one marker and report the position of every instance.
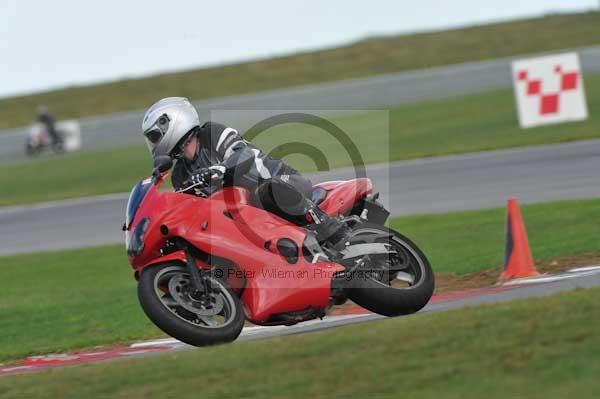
(164, 294)
(378, 291)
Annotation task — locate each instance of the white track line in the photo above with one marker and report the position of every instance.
(247, 331)
(584, 269)
(548, 278)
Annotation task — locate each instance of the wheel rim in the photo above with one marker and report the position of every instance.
(405, 270)
(172, 286)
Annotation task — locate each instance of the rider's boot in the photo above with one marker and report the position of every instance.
(329, 229)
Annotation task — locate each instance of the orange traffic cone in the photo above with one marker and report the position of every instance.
(518, 262)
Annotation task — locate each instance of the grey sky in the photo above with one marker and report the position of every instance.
(60, 43)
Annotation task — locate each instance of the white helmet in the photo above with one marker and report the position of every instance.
(41, 110)
(167, 122)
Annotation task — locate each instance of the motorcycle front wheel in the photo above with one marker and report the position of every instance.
(166, 296)
(391, 285)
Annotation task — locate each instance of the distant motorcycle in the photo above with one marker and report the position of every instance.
(38, 140)
(206, 264)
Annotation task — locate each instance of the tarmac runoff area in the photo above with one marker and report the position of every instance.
(582, 277)
(430, 185)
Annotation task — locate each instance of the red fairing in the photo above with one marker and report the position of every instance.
(342, 195)
(225, 226)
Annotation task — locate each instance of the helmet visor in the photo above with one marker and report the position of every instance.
(156, 132)
(154, 135)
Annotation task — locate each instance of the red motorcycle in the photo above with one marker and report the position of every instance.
(205, 264)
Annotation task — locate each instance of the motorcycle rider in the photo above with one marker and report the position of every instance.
(204, 153)
(44, 117)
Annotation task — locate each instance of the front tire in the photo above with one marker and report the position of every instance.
(379, 291)
(30, 150)
(163, 292)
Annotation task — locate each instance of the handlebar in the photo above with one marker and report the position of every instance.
(206, 188)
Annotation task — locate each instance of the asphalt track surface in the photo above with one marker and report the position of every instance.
(376, 92)
(585, 279)
(471, 181)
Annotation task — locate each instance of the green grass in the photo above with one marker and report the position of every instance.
(472, 123)
(367, 57)
(480, 122)
(504, 350)
(471, 241)
(57, 301)
(74, 175)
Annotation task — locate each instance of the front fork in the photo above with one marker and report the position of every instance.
(200, 284)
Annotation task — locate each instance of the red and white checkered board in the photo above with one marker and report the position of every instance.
(549, 90)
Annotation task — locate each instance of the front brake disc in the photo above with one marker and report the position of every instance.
(179, 288)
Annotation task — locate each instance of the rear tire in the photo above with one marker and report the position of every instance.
(178, 321)
(379, 296)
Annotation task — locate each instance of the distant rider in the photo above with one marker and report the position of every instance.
(204, 154)
(44, 117)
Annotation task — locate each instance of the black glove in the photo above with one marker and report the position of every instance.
(200, 178)
(207, 176)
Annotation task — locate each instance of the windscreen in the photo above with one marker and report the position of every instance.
(136, 197)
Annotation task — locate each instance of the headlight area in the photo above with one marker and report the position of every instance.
(135, 244)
